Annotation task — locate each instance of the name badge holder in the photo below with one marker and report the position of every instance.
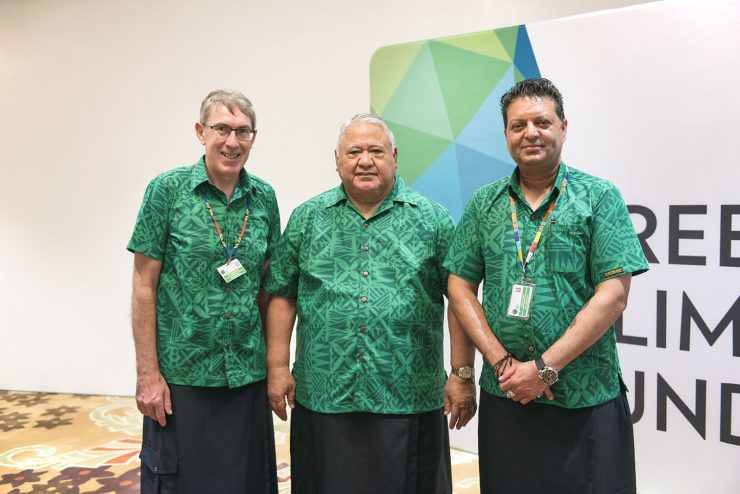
(233, 269)
(520, 302)
(522, 293)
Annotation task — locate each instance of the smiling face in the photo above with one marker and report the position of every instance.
(534, 133)
(225, 156)
(366, 162)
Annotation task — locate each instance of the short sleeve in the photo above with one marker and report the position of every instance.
(465, 256)
(445, 235)
(151, 229)
(615, 248)
(284, 270)
(273, 233)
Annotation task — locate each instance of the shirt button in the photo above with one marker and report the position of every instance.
(365, 248)
(228, 289)
(532, 217)
(363, 329)
(529, 281)
(363, 299)
(530, 349)
(360, 358)
(365, 225)
(227, 316)
(365, 273)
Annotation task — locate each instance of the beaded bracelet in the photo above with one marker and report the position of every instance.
(500, 366)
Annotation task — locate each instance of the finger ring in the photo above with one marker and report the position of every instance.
(510, 394)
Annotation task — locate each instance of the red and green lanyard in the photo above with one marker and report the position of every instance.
(536, 241)
(229, 253)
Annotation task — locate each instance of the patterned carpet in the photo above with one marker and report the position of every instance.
(77, 444)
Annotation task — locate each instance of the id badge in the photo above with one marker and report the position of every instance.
(231, 270)
(520, 302)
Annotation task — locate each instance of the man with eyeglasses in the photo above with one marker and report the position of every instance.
(202, 240)
(361, 267)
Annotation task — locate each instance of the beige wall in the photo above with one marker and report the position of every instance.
(97, 97)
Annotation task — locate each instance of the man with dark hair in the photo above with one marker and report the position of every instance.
(201, 242)
(361, 267)
(557, 250)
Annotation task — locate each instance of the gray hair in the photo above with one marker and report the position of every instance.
(232, 100)
(370, 118)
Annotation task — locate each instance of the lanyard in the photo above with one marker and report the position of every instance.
(229, 253)
(536, 241)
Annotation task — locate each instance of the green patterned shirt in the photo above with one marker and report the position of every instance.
(588, 239)
(209, 333)
(370, 301)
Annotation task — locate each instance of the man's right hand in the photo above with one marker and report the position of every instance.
(523, 380)
(280, 385)
(153, 396)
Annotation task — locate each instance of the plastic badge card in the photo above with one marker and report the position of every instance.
(520, 302)
(231, 270)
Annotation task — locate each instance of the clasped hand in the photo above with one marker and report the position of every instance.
(521, 382)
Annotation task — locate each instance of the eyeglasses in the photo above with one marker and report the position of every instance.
(242, 133)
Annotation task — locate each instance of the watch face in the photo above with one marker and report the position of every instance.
(549, 376)
(465, 373)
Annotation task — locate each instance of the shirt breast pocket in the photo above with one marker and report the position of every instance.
(413, 262)
(567, 247)
(251, 253)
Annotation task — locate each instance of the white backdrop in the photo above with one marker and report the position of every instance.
(98, 97)
(652, 101)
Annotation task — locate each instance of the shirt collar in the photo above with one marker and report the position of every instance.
(399, 193)
(515, 189)
(199, 176)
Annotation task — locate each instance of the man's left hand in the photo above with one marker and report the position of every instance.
(460, 402)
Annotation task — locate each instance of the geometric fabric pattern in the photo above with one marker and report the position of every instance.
(209, 332)
(370, 298)
(440, 98)
(588, 239)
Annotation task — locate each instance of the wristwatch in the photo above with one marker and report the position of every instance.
(466, 372)
(548, 375)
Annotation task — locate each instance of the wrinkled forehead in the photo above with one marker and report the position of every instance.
(363, 133)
